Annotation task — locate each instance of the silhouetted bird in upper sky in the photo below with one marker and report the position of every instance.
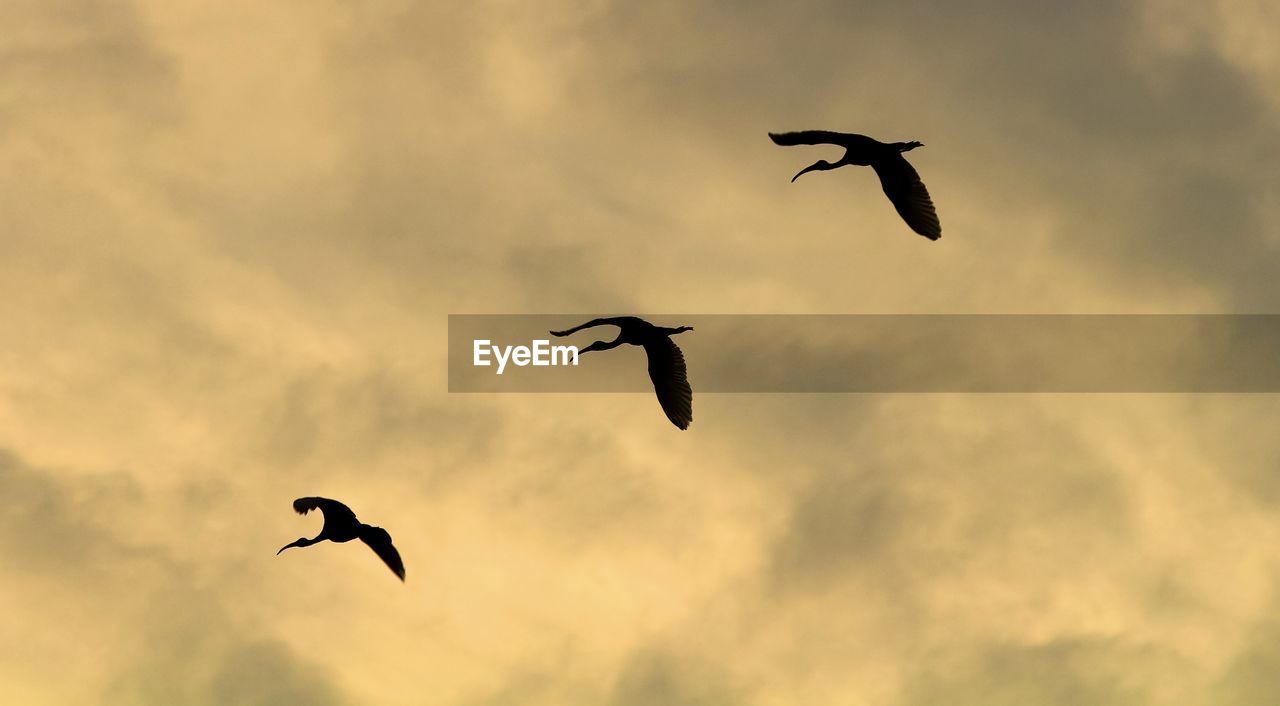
(900, 181)
(666, 362)
(341, 525)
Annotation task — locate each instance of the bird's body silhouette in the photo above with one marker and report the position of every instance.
(341, 525)
(899, 179)
(666, 362)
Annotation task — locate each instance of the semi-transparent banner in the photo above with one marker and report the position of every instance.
(880, 353)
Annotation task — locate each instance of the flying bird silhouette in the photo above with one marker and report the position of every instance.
(899, 179)
(341, 525)
(666, 362)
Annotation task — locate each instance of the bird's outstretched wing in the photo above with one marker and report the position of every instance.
(670, 381)
(817, 137)
(380, 542)
(903, 187)
(335, 513)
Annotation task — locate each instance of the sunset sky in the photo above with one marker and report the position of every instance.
(231, 234)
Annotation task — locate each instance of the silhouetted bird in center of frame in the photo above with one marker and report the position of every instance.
(899, 179)
(341, 525)
(666, 362)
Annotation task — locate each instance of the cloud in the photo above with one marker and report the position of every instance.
(249, 673)
(659, 677)
(1054, 674)
(1251, 675)
(234, 231)
(172, 641)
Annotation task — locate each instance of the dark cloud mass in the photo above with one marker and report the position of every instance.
(1057, 673)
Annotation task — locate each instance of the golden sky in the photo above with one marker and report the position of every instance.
(232, 233)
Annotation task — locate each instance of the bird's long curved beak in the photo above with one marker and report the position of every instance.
(597, 346)
(290, 544)
(811, 167)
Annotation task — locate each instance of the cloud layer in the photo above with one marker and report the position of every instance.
(233, 232)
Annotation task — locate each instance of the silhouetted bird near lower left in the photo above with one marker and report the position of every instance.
(341, 525)
(666, 362)
(899, 179)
